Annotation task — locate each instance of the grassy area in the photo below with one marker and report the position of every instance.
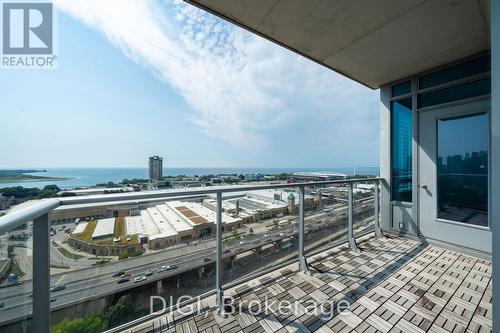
(86, 234)
(100, 262)
(68, 254)
(15, 269)
(129, 255)
(234, 236)
(120, 227)
(59, 266)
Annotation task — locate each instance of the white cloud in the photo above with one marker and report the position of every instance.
(240, 86)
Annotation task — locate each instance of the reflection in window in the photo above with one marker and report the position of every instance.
(460, 71)
(462, 174)
(402, 129)
(455, 93)
(403, 88)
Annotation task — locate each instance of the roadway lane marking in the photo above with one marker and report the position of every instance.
(61, 279)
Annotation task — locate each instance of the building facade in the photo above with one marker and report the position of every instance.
(155, 169)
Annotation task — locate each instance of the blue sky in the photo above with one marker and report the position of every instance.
(137, 78)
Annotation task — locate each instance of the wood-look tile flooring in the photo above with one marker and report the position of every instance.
(392, 285)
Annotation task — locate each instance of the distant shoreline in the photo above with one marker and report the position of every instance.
(70, 178)
(14, 176)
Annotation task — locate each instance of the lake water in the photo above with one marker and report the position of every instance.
(84, 177)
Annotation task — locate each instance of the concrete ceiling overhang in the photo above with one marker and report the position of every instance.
(374, 42)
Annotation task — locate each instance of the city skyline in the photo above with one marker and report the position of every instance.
(183, 84)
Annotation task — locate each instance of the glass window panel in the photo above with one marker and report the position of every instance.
(401, 88)
(462, 169)
(466, 90)
(473, 67)
(402, 132)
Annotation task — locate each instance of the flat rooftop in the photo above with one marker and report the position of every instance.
(195, 213)
(175, 220)
(104, 228)
(98, 190)
(393, 285)
(319, 174)
(170, 218)
(162, 223)
(141, 224)
(80, 227)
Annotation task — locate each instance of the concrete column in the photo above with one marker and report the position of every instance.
(495, 157)
(159, 287)
(200, 272)
(385, 158)
(231, 261)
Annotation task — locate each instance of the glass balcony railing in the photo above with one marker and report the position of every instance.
(165, 248)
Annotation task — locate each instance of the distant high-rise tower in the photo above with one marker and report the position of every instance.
(155, 170)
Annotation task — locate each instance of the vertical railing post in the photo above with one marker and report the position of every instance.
(218, 257)
(41, 275)
(303, 267)
(378, 229)
(350, 233)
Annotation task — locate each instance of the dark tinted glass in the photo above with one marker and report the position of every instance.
(462, 169)
(401, 88)
(402, 128)
(473, 67)
(466, 90)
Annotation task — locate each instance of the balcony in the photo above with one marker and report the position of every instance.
(392, 285)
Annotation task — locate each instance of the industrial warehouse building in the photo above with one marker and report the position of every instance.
(158, 226)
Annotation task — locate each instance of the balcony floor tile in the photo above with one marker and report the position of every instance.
(392, 285)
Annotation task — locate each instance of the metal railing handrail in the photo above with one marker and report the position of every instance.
(144, 195)
(18, 217)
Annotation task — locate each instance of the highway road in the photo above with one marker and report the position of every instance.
(95, 282)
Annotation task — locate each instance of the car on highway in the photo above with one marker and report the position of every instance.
(53, 299)
(13, 277)
(139, 279)
(117, 274)
(207, 259)
(123, 280)
(126, 274)
(2, 305)
(58, 287)
(227, 250)
(148, 272)
(165, 268)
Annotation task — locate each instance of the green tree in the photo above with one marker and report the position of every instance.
(118, 312)
(88, 324)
